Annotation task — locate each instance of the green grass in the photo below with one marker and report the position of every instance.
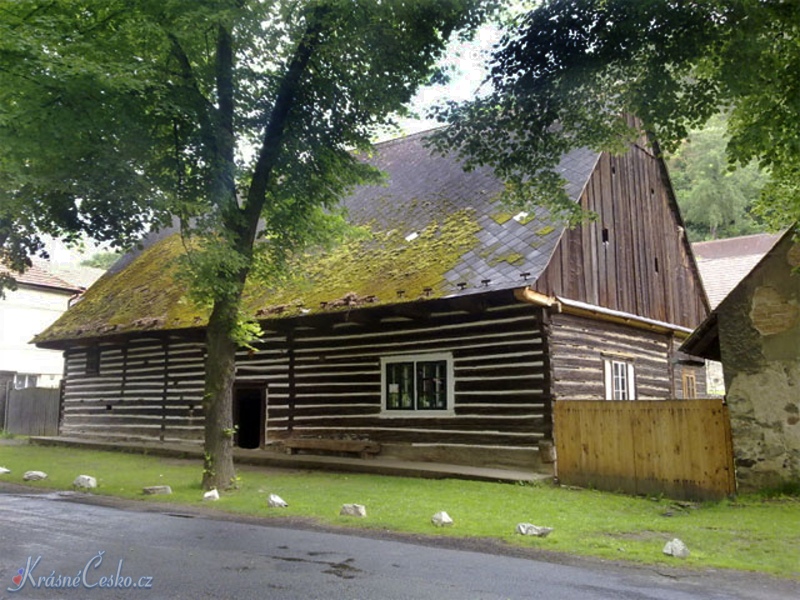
(756, 533)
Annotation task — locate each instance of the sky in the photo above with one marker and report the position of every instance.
(468, 63)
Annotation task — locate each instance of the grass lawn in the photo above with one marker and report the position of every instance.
(750, 533)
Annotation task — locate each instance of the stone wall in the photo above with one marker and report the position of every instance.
(759, 326)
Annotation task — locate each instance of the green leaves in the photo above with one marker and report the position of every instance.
(570, 71)
(111, 118)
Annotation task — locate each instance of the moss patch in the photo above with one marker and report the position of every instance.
(375, 268)
(502, 217)
(365, 268)
(512, 258)
(546, 230)
(141, 297)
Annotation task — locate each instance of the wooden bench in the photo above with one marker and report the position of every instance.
(363, 448)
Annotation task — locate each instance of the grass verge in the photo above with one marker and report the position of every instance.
(754, 533)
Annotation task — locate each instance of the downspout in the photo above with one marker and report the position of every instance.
(530, 296)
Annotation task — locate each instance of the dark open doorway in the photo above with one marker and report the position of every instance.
(248, 416)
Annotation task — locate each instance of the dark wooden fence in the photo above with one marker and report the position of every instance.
(33, 411)
(679, 448)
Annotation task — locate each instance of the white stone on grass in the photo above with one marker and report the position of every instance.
(85, 482)
(211, 495)
(157, 489)
(676, 548)
(535, 530)
(353, 510)
(275, 501)
(4, 471)
(34, 476)
(441, 519)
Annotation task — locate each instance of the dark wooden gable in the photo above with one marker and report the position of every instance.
(634, 257)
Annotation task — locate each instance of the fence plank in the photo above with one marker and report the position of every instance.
(33, 411)
(679, 448)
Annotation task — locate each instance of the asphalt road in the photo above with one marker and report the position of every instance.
(129, 551)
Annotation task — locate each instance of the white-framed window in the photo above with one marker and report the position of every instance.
(620, 379)
(417, 384)
(25, 380)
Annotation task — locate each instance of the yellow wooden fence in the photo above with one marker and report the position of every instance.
(679, 448)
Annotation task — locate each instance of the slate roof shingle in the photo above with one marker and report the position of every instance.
(465, 237)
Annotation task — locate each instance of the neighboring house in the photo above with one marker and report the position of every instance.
(723, 264)
(755, 333)
(444, 330)
(40, 298)
(76, 275)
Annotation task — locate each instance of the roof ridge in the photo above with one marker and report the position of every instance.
(737, 237)
(404, 137)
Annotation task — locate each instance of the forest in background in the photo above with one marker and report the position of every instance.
(716, 200)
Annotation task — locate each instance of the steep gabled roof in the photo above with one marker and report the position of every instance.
(435, 231)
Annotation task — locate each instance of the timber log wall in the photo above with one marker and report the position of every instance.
(326, 382)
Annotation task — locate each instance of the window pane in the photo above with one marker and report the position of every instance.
(620, 379)
(93, 360)
(432, 385)
(400, 386)
(24, 380)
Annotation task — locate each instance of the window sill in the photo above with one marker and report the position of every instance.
(390, 414)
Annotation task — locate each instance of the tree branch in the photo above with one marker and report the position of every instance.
(203, 106)
(273, 137)
(225, 185)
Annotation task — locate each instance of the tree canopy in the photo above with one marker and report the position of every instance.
(569, 72)
(238, 119)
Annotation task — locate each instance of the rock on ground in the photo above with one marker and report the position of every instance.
(275, 501)
(441, 519)
(676, 548)
(85, 482)
(4, 471)
(531, 529)
(157, 489)
(34, 476)
(211, 495)
(353, 510)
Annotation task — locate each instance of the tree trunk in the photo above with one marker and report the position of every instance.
(218, 469)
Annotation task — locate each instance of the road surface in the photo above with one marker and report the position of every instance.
(56, 546)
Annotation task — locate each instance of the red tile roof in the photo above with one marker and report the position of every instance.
(724, 263)
(38, 276)
(745, 245)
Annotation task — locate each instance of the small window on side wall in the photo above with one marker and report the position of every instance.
(689, 385)
(620, 379)
(415, 384)
(93, 360)
(25, 380)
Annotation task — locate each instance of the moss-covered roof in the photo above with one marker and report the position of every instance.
(434, 231)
